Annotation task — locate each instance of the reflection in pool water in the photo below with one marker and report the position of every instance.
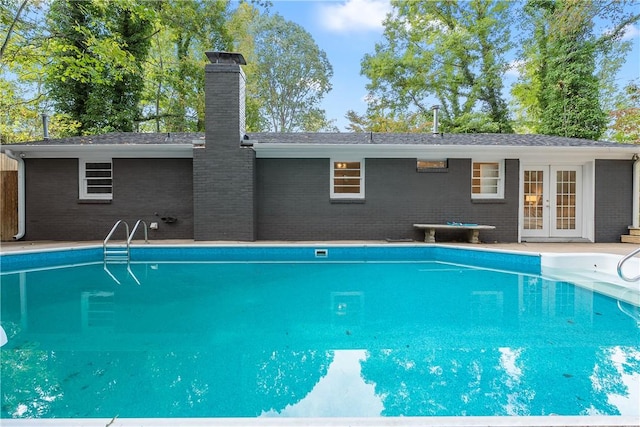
(342, 391)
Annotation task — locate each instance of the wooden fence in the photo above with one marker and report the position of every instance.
(8, 198)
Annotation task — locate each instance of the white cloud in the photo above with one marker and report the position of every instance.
(631, 32)
(354, 15)
(514, 68)
(356, 397)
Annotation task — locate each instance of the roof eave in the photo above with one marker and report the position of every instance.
(310, 150)
(47, 151)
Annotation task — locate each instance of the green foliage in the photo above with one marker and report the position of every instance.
(567, 70)
(119, 65)
(174, 99)
(16, 115)
(96, 76)
(315, 120)
(22, 57)
(374, 122)
(238, 27)
(450, 51)
(625, 118)
(127, 65)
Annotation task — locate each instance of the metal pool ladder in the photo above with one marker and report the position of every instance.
(629, 311)
(622, 261)
(121, 253)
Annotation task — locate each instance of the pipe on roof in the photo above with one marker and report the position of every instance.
(436, 128)
(45, 127)
(21, 191)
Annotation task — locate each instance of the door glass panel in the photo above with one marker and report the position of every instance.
(533, 203)
(566, 200)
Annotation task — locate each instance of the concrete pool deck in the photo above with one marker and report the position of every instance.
(582, 247)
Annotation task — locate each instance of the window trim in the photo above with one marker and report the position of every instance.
(342, 196)
(83, 194)
(500, 185)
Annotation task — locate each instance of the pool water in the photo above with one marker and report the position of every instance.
(309, 339)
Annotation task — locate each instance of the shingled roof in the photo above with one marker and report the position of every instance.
(474, 139)
(123, 138)
(507, 140)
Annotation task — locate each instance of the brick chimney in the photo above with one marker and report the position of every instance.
(224, 168)
(225, 94)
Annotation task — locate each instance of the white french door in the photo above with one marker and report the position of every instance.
(552, 201)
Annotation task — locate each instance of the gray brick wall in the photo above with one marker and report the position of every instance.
(613, 199)
(223, 172)
(142, 188)
(294, 204)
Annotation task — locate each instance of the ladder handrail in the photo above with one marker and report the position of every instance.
(622, 261)
(105, 268)
(632, 315)
(113, 229)
(135, 227)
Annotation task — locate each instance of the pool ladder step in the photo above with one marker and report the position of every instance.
(117, 254)
(121, 253)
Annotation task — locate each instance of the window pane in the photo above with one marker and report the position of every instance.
(99, 190)
(98, 182)
(431, 164)
(347, 178)
(348, 172)
(347, 190)
(94, 173)
(486, 178)
(342, 181)
(346, 165)
(98, 166)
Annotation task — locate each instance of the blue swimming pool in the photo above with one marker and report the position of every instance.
(247, 332)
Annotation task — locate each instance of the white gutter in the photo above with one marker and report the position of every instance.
(21, 192)
(147, 151)
(570, 154)
(635, 223)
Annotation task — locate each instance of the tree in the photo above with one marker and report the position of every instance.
(23, 47)
(292, 75)
(409, 123)
(238, 26)
(449, 51)
(560, 88)
(187, 30)
(10, 19)
(625, 118)
(95, 76)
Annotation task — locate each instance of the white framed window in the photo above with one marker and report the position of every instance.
(96, 179)
(347, 179)
(487, 180)
(431, 165)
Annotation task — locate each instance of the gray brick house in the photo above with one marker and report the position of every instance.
(229, 185)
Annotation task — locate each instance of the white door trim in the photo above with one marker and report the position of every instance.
(585, 223)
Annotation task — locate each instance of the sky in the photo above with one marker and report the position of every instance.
(347, 30)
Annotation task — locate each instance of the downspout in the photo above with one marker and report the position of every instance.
(636, 192)
(21, 210)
